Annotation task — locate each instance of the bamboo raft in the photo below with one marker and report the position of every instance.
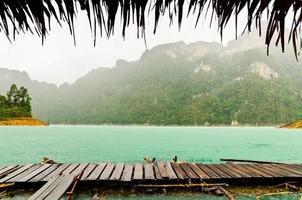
(56, 179)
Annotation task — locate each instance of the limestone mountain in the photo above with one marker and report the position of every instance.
(198, 83)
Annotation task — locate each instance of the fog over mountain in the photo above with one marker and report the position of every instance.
(199, 83)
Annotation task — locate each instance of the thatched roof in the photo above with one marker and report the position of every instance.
(35, 15)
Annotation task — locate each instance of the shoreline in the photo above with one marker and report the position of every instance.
(36, 122)
(293, 125)
(159, 126)
(27, 121)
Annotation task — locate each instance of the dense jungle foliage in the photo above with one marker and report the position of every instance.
(15, 104)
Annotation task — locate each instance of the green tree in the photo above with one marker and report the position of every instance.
(13, 96)
(17, 103)
(3, 101)
(24, 97)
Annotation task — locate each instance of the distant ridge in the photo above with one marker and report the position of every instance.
(201, 83)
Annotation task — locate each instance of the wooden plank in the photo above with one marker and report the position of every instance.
(292, 166)
(95, 174)
(117, 172)
(51, 188)
(80, 169)
(127, 173)
(277, 170)
(239, 172)
(138, 172)
(280, 172)
(198, 171)
(61, 188)
(179, 171)
(5, 169)
(25, 173)
(288, 168)
(157, 172)
(297, 167)
(88, 171)
(170, 171)
(122, 172)
(35, 173)
(149, 172)
(221, 173)
(43, 174)
(70, 169)
(107, 172)
(244, 170)
(247, 161)
(16, 173)
(208, 171)
(162, 169)
(191, 174)
(266, 170)
(231, 173)
(46, 188)
(56, 172)
(256, 171)
(8, 169)
(291, 173)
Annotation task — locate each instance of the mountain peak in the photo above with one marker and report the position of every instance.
(8, 74)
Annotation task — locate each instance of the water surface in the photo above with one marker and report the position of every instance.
(131, 143)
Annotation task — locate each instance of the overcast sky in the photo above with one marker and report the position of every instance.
(59, 61)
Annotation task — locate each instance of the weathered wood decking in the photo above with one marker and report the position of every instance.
(61, 175)
(152, 172)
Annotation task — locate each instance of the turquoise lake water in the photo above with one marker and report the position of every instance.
(132, 143)
(19, 145)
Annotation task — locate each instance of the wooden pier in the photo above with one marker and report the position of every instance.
(56, 179)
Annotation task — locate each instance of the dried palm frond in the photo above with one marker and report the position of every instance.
(34, 15)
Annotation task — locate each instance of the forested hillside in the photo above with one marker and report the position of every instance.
(187, 84)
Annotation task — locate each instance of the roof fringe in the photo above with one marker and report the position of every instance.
(32, 15)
